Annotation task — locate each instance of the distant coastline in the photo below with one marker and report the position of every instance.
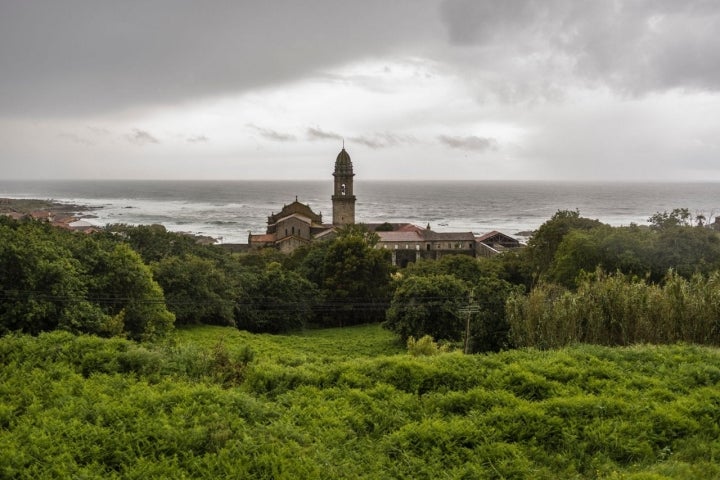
(228, 210)
(27, 206)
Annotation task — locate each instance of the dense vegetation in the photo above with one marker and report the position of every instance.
(139, 281)
(619, 285)
(51, 279)
(341, 403)
(214, 401)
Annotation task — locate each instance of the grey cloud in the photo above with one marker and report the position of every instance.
(77, 57)
(99, 131)
(141, 137)
(273, 135)
(198, 139)
(374, 141)
(383, 140)
(472, 142)
(368, 142)
(631, 46)
(319, 134)
(77, 139)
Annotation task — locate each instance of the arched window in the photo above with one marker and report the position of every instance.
(342, 189)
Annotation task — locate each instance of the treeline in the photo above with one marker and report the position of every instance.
(578, 280)
(52, 279)
(139, 281)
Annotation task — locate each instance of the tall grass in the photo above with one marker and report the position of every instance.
(618, 310)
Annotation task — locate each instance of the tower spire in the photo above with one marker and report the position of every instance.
(343, 199)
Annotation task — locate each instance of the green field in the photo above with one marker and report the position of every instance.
(216, 402)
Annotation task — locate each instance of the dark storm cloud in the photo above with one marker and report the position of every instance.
(82, 56)
(477, 144)
(632, 46)
(270, 134)
(141, 137)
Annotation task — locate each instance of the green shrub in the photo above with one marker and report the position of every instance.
(425, 347)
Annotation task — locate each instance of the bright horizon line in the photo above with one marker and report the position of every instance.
(362, 180)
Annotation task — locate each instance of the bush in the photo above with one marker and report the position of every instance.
(425, 347)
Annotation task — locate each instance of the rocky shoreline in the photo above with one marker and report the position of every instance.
(65, 215)
(28, 206)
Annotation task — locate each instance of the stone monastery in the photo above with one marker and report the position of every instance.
(296, 225)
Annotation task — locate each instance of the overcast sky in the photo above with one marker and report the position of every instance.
(418, 89)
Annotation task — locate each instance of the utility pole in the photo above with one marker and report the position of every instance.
(468, 311)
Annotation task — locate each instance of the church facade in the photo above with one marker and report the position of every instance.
(297, 225)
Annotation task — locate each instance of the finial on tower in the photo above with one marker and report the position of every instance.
(343, 143)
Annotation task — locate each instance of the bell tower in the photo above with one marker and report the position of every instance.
(343, 199)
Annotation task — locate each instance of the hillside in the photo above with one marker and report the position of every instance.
(348, 403)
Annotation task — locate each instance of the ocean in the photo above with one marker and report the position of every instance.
(228, 210)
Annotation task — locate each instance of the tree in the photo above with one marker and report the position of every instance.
(428, 305)
(634, 250)
(54, 279)
(356, 279)
(124, 287)
(41, 285)
(196, 290)
(679, 217)
(309, 261)
(578, 251)
(488, 327)
(154, 242)
(274, 301)
(464, 267)
(546, 240)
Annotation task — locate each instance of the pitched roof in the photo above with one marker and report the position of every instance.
(299, 216)
(449, 236)
(396, 227)
(497, 237)
(295, 208)
(489, 235)
(321, 232)
(262, 238)
(400, 236)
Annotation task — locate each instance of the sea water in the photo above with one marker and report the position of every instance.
(228, 210)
